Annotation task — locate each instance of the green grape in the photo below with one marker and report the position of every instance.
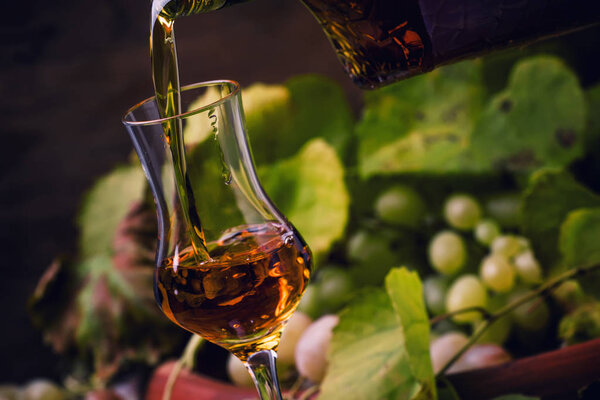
(462, 211)
(569, 295)
(582, 324)
(496, 333)
(508, 245)
(480, 356)
(467, 291)
(371, 255)
(434, 291)
(486, 231)
(294, 328)
(310, 302)
(499, 331)
(528, 268)
(336, 288)
(505, 209)
(443, 348)
(447, 252)
(369, 248)
(42, 389)
(497, 273)
(312, 348)
(400, 205)
(532, 316)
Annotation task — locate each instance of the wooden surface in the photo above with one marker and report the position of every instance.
(553, 375)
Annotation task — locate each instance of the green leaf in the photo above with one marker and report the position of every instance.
(579, 238)
(309, 189)
(550, 196)
(406, 293)
(380, 347)
(581, 324)
(105, 205)
(199, 128)
(422, 124)
(215, 201)
(282, 118)
(537, 121)
(579, 235)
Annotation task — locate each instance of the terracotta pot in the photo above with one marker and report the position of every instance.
(556, 374)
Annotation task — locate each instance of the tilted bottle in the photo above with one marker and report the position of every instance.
(382, 41)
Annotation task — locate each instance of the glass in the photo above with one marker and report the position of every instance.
(230, 267)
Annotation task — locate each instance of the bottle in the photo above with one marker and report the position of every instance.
(382, 41)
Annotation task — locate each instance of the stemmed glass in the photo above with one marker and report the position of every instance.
(229, 266)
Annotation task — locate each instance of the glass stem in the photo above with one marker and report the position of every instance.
(264, 374)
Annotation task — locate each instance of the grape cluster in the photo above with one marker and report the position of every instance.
(473, 261)
(479, 286)
(510, 261)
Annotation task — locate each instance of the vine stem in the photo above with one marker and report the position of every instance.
(485, 313)
(185, 361)
(308, 393)
(490, 318)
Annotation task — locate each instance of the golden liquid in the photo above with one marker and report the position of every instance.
(241, 298)
(165, 75)
(236, 292)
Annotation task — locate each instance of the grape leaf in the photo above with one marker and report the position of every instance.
(282, 118)
(215, 200)
(406, 293)
(537, 121)
(579, 235)
(103, 306)
(370, 354)
(309, 189)
(550, 196)
(422, 124)
(104, 207)
(198, 128)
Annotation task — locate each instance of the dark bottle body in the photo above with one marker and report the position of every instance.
(382, 41)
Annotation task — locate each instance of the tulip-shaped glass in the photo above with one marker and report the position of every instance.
(229, 266)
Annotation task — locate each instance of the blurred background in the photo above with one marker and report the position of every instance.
(69, 70)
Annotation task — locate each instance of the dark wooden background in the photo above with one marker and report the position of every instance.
(68, 71)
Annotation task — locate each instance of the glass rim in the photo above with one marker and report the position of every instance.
(234, 92)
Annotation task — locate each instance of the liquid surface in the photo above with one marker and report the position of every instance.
(241, 298)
